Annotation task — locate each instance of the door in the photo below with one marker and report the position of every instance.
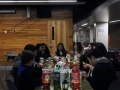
(57, 32)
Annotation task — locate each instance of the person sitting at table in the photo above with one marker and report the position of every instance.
(77, 50)
(80, 49)
(90, 45)
(45, 53)
(17, 62)
(39, 50)
(61, 50)
(103, 72)
(95, 45)
(28, 76)
(85, 59)
(39, 47)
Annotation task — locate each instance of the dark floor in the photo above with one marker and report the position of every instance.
(3, 85)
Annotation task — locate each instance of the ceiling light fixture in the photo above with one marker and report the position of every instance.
(114, 21)
(39, 1)
(88, 27)
(94, 24)
(79, 28)
(85, 24)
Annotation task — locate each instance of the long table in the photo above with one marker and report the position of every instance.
(84, 85)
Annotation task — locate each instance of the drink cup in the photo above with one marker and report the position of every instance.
(41, 60)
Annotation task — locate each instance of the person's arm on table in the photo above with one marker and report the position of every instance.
(88, 66)
(38, 70)
(88, 78)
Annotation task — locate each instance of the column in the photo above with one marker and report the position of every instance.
(101, 33)
(84, 34)
(91, 33)
(75, 36)
(75, 33)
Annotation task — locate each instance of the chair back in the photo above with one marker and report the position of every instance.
(10, 52)
(115, 85)
(10, 84)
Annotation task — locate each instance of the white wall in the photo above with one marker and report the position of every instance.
(102, 33)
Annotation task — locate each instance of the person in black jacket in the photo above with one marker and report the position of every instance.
(61, 50)
(103, 72)
(17, 62)
(28, 76)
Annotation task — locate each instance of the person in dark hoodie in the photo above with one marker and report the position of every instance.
(103, 72)
(16, 65)
(28, 76)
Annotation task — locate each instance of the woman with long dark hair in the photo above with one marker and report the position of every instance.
(39, 47)
(45, 53)
(77, 48)
(61, 50)
(45, 49)
(90, 45)
(77, 51)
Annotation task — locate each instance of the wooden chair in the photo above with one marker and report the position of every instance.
(11, 55)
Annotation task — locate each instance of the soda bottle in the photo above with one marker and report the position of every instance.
(46, 80)
(57, 78)
(75, 79)
(62, 75)
(65, 85)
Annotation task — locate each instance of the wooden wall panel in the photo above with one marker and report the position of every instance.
(31, 30)
(61, 30)
(114, 36)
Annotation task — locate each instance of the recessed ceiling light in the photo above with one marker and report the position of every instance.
(114, 21)
(85, 24)
(94, 24)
